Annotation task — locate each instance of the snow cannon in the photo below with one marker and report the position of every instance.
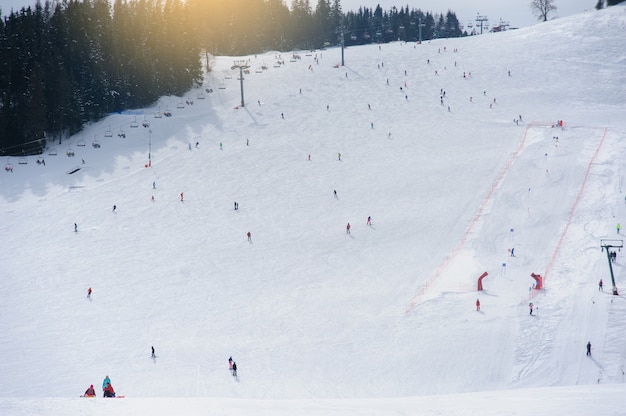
(480, 280)
(538, 279)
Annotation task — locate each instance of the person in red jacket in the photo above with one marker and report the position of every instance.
(108, 391)
(90, 392)
(477, 304)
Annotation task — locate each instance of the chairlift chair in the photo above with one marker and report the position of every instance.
(201, 96)
(108, 133)
(134, 124)
(180, 105)
(70, 152)
(52, 151)
(81, 143)
(96, 144)
(8, 167)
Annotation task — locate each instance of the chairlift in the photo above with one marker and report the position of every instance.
(8, 167)
(352, 37)
(121, 134)
(201, 96)
(134, 124)
(96, 144)
(222, 86)
(180, 105)
(81, 143)
(52, 151)
(228, 76)
(70, 152)
(22, 161)
(108, 133)
(157, 114)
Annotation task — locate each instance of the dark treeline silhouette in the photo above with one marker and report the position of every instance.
(70, 62)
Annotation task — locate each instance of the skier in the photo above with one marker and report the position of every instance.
(75, 228)
(249, 236)
(181, 197)
(618, 228)
(153, 354)
(234, 369)
(89, 293)
(220, 145)
(477, 305)
(513, 252)
(348, 228)
(339, 158)
(335, 192)
(369, 220)
(90, 392)
(105, 383)
(530, 305)
(589, 348)
(600, 289)
(114, 208)
(153, 185)
(108, 391)
(230, 364)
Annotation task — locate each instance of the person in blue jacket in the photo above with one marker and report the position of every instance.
(105, 382)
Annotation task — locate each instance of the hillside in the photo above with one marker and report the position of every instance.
(319, 320)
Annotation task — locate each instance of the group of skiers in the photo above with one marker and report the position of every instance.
(107, 389)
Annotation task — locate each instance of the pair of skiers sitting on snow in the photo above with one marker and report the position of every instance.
(107, 388)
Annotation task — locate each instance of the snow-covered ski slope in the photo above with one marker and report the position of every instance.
(378, 321)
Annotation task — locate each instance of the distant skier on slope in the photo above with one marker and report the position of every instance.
(348, 228)
(589, 348)
(234, 369)
(477, 305)
(600, 284)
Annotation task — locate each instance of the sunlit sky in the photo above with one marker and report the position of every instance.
(516, 12)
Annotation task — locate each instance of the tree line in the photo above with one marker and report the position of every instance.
(66, 63)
